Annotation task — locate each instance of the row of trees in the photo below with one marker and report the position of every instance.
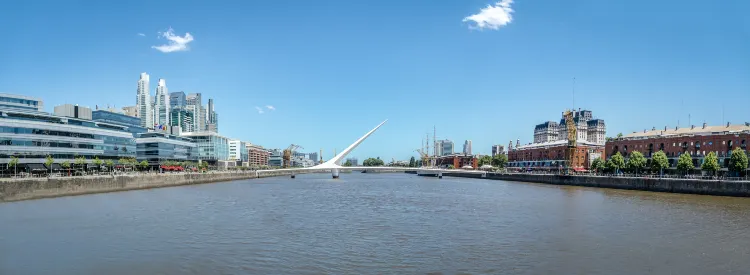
(499, 160)
(80, 162)
(373, 162)
(636, 163)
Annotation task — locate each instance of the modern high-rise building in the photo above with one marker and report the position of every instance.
(161, 104)
(438, 148)
(193, 103)
(447, 147)
(213, 118)
(204, 119)
(143, 102)
(497, 149)
(467, 147)
(314, 157)
(181, 116)
(177, 99)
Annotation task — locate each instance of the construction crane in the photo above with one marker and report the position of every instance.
(287, 156)
(572, 137)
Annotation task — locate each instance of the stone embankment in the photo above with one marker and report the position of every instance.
(37, 188)
(687, 186)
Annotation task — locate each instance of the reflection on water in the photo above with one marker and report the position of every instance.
(376, 224)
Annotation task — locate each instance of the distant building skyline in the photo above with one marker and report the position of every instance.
(467, 147)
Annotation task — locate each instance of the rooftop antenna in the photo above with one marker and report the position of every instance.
(574, 93)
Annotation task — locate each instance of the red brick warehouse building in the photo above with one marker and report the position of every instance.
(696, 141)
(551, 155)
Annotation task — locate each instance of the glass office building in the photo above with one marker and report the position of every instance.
(211, 147)
(159, 147)
(20, 103)
(32, 136)
(131, 124)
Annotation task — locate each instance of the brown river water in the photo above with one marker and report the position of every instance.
(376, 224)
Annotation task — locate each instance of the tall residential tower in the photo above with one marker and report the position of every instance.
(143, 102)
(161, 104)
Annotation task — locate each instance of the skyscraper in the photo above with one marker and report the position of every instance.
(161, 104)
(143, 102)
(177, 99)
(467, 147)
(194, 104)
(213, 118)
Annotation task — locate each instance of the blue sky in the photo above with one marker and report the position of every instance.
(335, 69)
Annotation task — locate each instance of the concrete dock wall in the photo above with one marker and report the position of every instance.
(687, 186)
(36, 188)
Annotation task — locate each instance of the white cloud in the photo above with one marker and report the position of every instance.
(176, 43)
(493, 16)
(260, 110)
(270, 107)
(141, 34)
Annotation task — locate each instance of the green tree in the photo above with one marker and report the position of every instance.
(49, 161)
(143, 164)
(66, 165)
(451, 166)
(500, 160)
(659, 162)
(98, 163)
(485, 160)
(685, 163)
(110, 164)
(636, 162)
(597, 165)
(616, 163)
(619, 135)
(80, 161)
(373, 162)
(348, 163)
(14, 163)
(738, 161)
(412, 162)
(710, 163)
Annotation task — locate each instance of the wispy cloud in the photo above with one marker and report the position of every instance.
(176, 43)
(492, 17)
(270, 107)
(260, 110)
(141, 34)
